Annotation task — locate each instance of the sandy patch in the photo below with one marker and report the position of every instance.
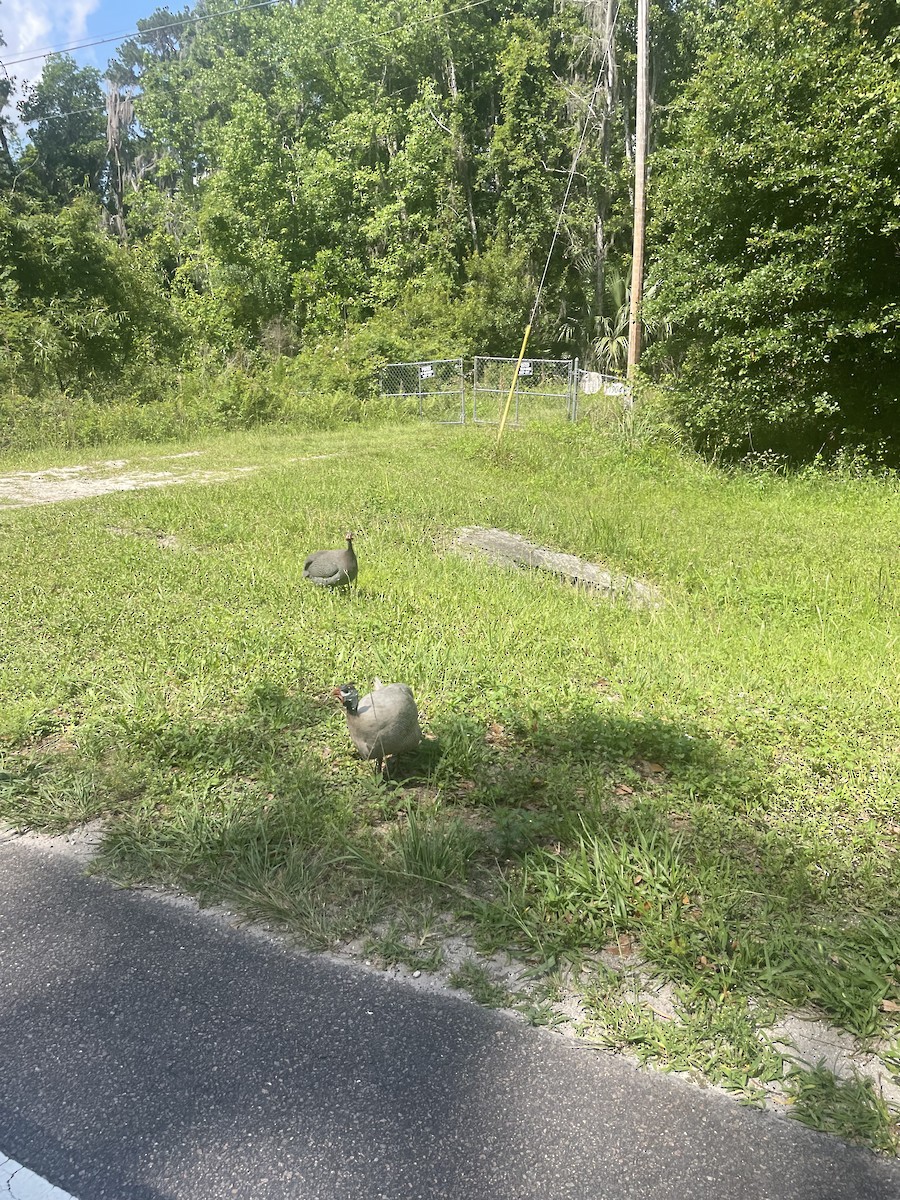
(55, 484)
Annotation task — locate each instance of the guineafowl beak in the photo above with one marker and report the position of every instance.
(348, 696)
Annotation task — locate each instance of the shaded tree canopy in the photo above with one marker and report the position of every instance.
(777, 228)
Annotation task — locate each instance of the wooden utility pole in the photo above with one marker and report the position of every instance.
(640, 178)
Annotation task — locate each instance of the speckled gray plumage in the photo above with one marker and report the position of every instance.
(332, 568)
(386, 722)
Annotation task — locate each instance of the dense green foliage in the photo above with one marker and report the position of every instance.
(294, 179)
(778, 230)
(76, 308)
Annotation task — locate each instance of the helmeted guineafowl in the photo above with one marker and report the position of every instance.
(332, 568)
(383, 724)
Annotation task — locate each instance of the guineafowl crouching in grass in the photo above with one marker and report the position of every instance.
(383, 724)
(332, 568)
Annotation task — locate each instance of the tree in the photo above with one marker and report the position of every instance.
(68, 139)
(6, 87)
(777, 229)
(76, 307)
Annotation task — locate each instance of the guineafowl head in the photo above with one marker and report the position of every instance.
(348, 696)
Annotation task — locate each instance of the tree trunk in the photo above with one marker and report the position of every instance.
(599, 16)
(459, 142)
(119, 117)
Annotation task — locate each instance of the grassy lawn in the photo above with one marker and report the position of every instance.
(712, 784)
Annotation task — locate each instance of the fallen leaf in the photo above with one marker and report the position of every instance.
(685, 899)
(655, 768)
(623, 946)
(889, 1006)
(622, 789)
(637, 879)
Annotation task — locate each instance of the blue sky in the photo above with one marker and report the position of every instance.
(31, 26)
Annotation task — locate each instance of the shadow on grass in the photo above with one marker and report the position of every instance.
(604, 825)
(587, 825)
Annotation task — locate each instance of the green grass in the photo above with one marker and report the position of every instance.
(850, 1107)
(718, 777)
(473, 977)
(719, 1040)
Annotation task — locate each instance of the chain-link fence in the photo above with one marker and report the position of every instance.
(599, 396)
(440, 388)
(544, 388)
(437, 386)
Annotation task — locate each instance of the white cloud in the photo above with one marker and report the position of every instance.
(29, 26)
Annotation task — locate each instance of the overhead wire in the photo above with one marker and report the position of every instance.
(562, 208)
(229, 12)
(121, 37)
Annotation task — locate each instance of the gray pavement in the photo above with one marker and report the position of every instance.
(148, 1052)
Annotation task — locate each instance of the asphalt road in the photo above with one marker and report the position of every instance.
(148, 1052)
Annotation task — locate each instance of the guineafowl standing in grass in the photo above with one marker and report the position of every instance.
(383, 724)
(332, 568)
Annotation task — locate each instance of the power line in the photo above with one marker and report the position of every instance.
(559, 220)
(588, 114)
(228, 12)
(267, 3)
(120, 37)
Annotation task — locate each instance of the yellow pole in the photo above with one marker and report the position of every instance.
(515, 380)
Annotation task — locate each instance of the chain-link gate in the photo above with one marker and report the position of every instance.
(544, 388)
(438, 387)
